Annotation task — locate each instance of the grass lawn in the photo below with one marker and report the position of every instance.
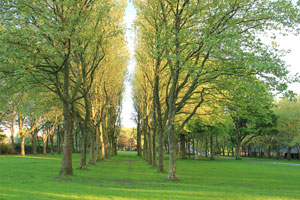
(129, 177)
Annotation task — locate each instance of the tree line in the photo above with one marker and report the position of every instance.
(202, 67)
(62, 68)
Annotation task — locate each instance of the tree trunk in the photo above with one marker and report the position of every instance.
(34, 146)
(193, 143)
(212, 148)
(154, 160)
(149, 147)
(182, 146)
(206, 147)
(145, 152)
(76, 141)
(218, 149)
(52, 144)
(189, 147)
(106, 142)
(83, 151)
(92, 149)
(12, 131)
(102, 142)
(161, 167)
(67, 168)
(47, 145)
(110, 138)
(44, 147)
(197, 146)
(115, 145)
(58, 141)
(98, 145)
(238, 148)
(172, 144)
(138, 140)
(22, 146)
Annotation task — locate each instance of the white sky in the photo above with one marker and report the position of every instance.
(289, 42)
(127, 104)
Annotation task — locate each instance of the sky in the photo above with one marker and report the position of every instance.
(289, 42)
(127, 104)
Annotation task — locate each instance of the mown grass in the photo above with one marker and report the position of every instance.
(127, 176)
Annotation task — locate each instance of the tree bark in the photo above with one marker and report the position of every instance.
(22, 146)
(145, 152)
(161, 167)
(34, 146)
(206, 147)
(189, 147)
(98, 145)
(106, 141)
(238, 153)
(138, 140)
(182, 146)
(154, 160)
(193, 143)
(172, 143)
(212, 148)
(76, 141)
(149, 147)
(92, 149)
(12, 131)
(47, 144)
(83, 145)
(44, 147)
(58, 140)
(102, 142)
(67, 168)
(238, 148)
(52, 144)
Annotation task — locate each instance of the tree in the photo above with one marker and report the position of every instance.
(288, 123)
(2, 138)
(247, 114)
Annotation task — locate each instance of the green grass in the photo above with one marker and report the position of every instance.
(281, 160)
(129, 177)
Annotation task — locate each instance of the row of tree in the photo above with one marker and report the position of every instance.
(278, 130)
(204, 60)
(62, 66)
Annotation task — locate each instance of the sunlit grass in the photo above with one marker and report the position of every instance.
(129, 177)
